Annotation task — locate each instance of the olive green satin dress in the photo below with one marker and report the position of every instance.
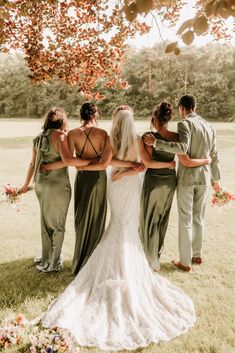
(53, 191)
(156, 200)
(90, 208)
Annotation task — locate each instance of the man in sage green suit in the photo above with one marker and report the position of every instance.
(197, 138)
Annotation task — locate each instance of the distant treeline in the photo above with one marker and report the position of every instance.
(153, 76)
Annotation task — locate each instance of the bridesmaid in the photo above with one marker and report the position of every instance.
(53, 187)
(159, 185)
(90, 201)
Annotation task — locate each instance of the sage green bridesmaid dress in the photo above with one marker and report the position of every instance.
(53, 191)
(157, 195)
(90, 208)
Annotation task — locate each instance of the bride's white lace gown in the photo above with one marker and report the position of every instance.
(116, 301)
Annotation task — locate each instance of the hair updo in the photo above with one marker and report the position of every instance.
(56, 118)
(163, 113)
(87, 111)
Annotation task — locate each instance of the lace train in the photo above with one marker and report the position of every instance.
(116, 302)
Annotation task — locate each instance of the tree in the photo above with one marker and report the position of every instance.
(82, 42)
(76, 41)
(19, 97)
(210, 17)
(208, 73)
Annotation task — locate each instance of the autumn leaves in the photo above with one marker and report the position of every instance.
(86, 40)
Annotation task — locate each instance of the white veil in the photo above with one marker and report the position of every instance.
(123, 136)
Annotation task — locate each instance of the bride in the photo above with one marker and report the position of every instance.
(116, 301)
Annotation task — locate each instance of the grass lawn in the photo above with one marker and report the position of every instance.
(23, 289)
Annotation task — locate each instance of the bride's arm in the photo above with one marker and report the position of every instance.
(30, 173)
(115, 162)
(146, 156)
(131, 171)
(193, 162)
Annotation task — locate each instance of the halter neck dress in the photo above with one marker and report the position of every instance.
(53, 191)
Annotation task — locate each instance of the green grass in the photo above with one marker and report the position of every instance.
(23, 289)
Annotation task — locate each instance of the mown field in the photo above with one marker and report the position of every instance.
(211, 286)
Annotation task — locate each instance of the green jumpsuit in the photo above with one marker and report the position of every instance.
(53, 191)
(156, 200)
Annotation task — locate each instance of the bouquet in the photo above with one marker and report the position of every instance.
(11, 331)
(18, 331)
(221, 198)
(51, 341)
(12, 195)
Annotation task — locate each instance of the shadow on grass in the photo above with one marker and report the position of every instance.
(20, 281)
(167, 267)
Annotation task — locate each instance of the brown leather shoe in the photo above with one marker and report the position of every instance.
(197, 260)
(181, 266)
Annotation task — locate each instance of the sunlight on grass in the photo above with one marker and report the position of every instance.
(210, 286)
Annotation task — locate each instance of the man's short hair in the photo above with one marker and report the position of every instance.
(187, 101)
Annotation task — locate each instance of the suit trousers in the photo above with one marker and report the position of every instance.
(191, 209)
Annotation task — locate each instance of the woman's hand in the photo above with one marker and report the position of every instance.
(43, 168)
(216, 186)
(117, 175)
(140, 167)
(208, 160)
(149, 139)
(172, 165)
(94, 161)
(23, 189)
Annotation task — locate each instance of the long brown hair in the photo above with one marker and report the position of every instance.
(56, 118)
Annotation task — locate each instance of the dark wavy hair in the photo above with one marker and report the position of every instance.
(163, 113)
(87, 111)
(56, 118)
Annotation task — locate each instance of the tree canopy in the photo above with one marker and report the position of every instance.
(153, 76)
(82, 42)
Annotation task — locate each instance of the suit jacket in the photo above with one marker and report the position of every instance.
(197, 138)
